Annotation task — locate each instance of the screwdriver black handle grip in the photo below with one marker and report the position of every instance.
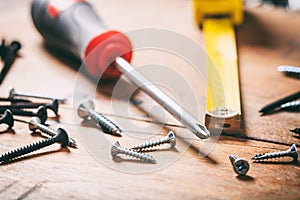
(73, 27)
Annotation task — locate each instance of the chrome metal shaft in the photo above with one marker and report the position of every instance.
(165, 101)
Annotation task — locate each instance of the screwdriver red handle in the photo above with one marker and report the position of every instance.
(73, 27)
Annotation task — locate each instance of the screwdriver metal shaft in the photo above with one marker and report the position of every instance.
(165, 101)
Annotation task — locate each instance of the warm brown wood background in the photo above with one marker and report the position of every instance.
(267, 38)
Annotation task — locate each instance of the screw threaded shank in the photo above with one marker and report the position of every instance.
(292, 152)
(35, 123)
(47, 130)
(290, 70)
(86, 109)
(106, 125)
(61, 137)
(170, 138)
(232, 158)
(52, 133)
(53, 106)
(141, 156)
(26, 149)
(13, 93)
(14, 100)
(116, 149)
(41, 113)
(291, 106)
(149, 144)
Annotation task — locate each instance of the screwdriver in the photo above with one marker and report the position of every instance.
(74, 28)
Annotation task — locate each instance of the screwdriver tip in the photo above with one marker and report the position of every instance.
(201, 131)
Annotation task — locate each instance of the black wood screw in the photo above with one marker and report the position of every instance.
(3, 49)
(35, 123)
(40, 113)
(51, 106)
(13, 93)
(61, 137)
(9, 57)
(14, 100)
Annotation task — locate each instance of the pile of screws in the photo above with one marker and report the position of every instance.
(86, 110)
(22, 104)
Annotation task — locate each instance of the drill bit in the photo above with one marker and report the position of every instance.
(162, 99)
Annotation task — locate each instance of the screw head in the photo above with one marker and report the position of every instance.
(83, 108)
(115, 148)
(15, 46)
(62, 137)
(33, 123)
(241, 166)
(42, 114)
(172, 138)
(294, 152)
(54, 106)
(8, 118)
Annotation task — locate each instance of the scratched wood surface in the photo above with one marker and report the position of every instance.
(265, 40)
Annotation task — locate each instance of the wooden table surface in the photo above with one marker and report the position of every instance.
(267, 38)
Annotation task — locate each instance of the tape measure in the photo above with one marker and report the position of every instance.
(218, 18)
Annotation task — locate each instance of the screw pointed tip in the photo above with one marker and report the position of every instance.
(118, 133)
(73, 144)
(293, 130)
(154, 161)
(62, 101)
(294, 148)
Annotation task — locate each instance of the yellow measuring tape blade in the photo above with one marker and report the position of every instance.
(218, 17)
(223, 95)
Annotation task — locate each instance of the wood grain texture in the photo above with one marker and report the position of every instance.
(265, 40)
